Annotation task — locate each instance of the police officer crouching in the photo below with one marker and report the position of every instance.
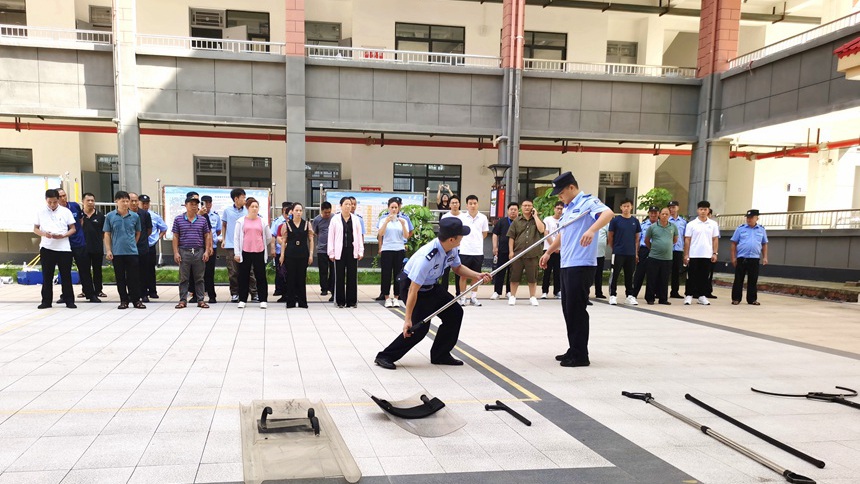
(424, 295)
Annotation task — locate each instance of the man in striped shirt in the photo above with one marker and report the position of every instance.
(192, 242)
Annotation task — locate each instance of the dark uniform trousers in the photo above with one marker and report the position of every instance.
(641, 270)
(747, 267)
(677, 266)
(209, 277)
(552, 271)
(143, 271)
(94, 266)
(627, 263)
(127, 270)
(598, 277)
(428, 302)
(575, 287)
(658, 280)
(326, 268)
(697, 276)
(280, 276)
(82, 260)
(52, 259)
(151, 262)
(502, 280)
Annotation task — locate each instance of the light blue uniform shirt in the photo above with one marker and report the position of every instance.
(573, 254)
(215, 222)
(644, 225)
(231, 216)
(750, 240)
(394, 238)
(361, 219)
(158, 226)
(274, 229)
(681, 223)
(428, 263)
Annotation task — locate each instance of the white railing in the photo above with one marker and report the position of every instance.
(819, 220)
(799, 39)
(401, 56)
(200, 43)
(24, 32)
(608, 68)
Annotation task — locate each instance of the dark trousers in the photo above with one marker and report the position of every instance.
(95, 267)
(151, 263)
(444, 281)
(747, 267)
(233, 274)
(553, 270)
(280, 276)
(658, 280)
(641, 270)
(143, 273)
(127, 270)
(598, 277)
(392, 265)
(191, 270)
(326, 272)
(52, 260)
(426, 304)
(209, 277)
(294, 284)
(575, 287)
(257, 262)
(677, 267)
(697, 276)
(82, 260)
(626, 263)
(502, 280)
(711, 279)
(346, 279)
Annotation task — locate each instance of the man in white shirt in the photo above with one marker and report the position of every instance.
(553, 267)
(54, 224)
(472, 246)
(701, 241)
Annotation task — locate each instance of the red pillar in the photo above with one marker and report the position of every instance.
(295, 28)
(718, 35)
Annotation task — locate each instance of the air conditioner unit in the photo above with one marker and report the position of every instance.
(100, 17)
(211, 19)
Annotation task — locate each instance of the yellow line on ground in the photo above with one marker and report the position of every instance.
(27, 321)
(530, 397)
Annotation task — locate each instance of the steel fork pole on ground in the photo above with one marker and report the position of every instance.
(787, 474)
(498, 269)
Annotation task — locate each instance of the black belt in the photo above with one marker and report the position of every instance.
(192, 249)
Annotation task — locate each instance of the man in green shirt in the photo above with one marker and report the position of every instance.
(660, 238)
(525, 230)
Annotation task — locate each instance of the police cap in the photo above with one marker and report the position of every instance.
(452, 227)
(563, 181)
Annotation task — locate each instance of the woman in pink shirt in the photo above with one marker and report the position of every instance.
(345, 248)
(250, 240)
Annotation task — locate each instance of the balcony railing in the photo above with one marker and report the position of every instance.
(610, 69)
(401, 56)
(828, 219)
(58, 36)
(172, 43)
(799, 39)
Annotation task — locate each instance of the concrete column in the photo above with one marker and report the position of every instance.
(513, 14)
(646, 171)
(718, 35)
(709, 174)
(125, 88)
(295, 52)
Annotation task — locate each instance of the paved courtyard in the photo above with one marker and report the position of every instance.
(98, 395)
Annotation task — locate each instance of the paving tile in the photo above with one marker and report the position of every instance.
(52, 453)
(227, 472)
(174, 449)
(178, 474)
(34, 477)
(222, 447)
(12, 448)
(114, 475)
(114, 451)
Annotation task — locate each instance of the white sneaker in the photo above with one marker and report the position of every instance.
(512, 300)
(688, 300)
(399, 304)
(533, 301)
(494, 296)
(631, 300)
(704, 301)
(389, 303)
(508, 294)
(241, 305)
(263, 305)
(475, 301)
(463, 301)
(613, 300)
(543, 296)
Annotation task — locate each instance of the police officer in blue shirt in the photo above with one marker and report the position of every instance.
(749, 247)
(578, 262)
(424, 296)
(641, 266)
(678, 249)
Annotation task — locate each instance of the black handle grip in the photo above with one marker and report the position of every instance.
(638, 396)
(796, 478)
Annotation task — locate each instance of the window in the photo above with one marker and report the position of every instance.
(531, 178)
(322, 33)
(16, 160)
(430, 38)
(244, 171)
(412, 177)
(621, 52)
(101, 18)
(545, 45)
(12, 12)
(321, 176)
(255, 23)
(107, 167)
(230, 24)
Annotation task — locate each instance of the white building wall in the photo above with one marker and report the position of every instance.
(172, 17)
(58, 14)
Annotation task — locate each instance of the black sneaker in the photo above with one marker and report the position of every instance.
(449, 360)
(146, 299)
(561, 357)
(331, 298)
(255, 298)
(665, 303)
(282, 299)
(61, 301)
(212, 301)
(71, 306)
(574, 363)
(675, 295)
(44, 306)
(387, 364)
(234, 298)
(191, 300)
(153, 296)
(323, 293)
(380, 298)
(710, 296)
(599, 296)
(94, 299)
(276, 293)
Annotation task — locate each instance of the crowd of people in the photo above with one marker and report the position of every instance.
(650, 254)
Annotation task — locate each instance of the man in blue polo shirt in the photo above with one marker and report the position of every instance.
(623, 237)
(80, 254)
(677, 249)
(578, 262)
(749, 247)
(192, 241)
(122, 231)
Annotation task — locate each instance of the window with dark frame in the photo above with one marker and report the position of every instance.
(16, 160)
(323, 33)
(13, 12)
(438, 39)
(246, 171)
(545, 45)
(415, 177)
(320, 176)
(531, 178)
(618, 52)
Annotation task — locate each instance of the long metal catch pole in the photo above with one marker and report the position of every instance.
(496, 271)
(787, 474)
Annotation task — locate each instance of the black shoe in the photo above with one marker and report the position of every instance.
(387, 364)
(191, 300)
(44, 306)
(71, 306)
(276, 293)
(61, 301)
(323, 293)
(599, 296)
(303, 306)
(255, 298)
(123, 305)
(102, 294)
(282, 299)
(449, 360)
(153, 296)
(561, 357)
(94, 300)
(675, 295)
(665, 303)
(331, 298)
(139, 305)
(650, 303)
(146, 299)
(340, 306)
(212, 301)
(353, 305)
(234, 298)
(589, 303)
(380, 298)
(572, 363)
(710, 296)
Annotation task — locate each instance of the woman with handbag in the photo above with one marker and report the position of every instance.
(296, 237)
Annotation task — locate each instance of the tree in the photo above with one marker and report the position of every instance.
(545, 203)
(422, 221)
(658, 197)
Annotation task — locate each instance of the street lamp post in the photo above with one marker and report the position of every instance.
(497, 194)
